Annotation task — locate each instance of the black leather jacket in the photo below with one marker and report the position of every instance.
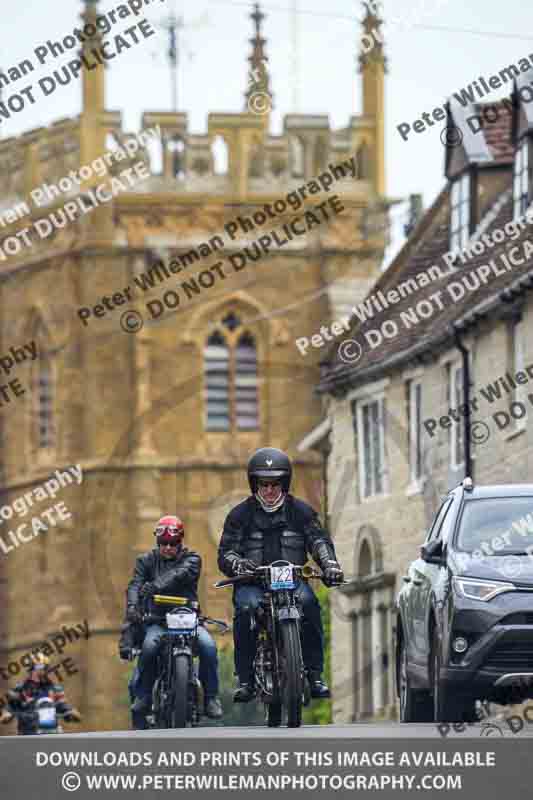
(178, 576)
(296, 523)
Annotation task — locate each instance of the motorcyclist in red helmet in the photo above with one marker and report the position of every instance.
(171, 569)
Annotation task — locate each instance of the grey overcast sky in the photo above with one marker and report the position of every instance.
(435, 48)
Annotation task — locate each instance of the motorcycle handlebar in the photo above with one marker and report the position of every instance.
(307, 573)
(238, 578)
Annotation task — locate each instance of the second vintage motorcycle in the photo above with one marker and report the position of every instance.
(177, 696)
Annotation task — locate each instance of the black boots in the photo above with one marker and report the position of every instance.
(319, 689)
(244, 693)
(213, 708)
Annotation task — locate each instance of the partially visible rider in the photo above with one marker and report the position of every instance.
(269, 526)
(168, 569)
(22, 699)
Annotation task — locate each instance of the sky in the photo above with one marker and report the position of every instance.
(433, 47)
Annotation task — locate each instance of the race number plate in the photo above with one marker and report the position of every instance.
(47, 717)
(181, 622)
(282, 578)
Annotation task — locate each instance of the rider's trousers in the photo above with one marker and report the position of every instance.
(246, 599)
(142, 687)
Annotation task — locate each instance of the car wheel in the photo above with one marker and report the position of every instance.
(415, 705)
(449, 705)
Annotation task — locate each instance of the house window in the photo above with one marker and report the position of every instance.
(414, 417)
(371, 449)
(516, 361)
(455, 383)
(521, 179)
(231, 384)
(460, 212)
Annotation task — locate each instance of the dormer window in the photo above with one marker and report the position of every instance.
(521, 179)
(460, 212)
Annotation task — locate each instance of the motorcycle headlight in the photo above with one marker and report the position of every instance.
(481, 590)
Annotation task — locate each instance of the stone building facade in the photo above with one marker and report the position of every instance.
(456, 296)
(164, 419)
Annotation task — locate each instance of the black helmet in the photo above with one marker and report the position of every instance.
(269, 462)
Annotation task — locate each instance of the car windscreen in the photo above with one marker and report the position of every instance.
(496, 525)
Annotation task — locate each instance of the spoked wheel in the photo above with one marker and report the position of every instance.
(415, 706)
(180, 695)
(273, 714)
(292, 677)
(160, 713)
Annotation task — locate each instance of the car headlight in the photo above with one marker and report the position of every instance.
(481, 590)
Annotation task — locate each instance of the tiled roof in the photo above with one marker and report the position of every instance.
(498, 133)
(421, 338)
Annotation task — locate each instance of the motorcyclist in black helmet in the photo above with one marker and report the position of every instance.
(272, 525)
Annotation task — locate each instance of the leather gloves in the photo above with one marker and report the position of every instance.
(132, 614)
(332, 574)
(72, 716)
(242, 565)
(148, 589)
(125, 653)
(5, 716)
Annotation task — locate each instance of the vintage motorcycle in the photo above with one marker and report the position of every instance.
(177, 695)
(45, 716)
(280, 679)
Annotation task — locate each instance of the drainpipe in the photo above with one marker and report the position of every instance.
(469, 468)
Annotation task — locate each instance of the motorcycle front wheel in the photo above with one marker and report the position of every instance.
(292, 678)
(180, 695)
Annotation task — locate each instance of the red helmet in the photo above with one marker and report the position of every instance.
(170, 530)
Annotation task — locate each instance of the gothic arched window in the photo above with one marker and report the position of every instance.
(43, 393)
(216, 370)
(230, 369)
(365, 560)
(246, 406)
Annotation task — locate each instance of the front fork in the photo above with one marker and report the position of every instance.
(291, 610)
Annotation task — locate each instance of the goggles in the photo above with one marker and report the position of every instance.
(167, 537)
(170, 529)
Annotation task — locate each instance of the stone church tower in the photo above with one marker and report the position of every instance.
(163, 420)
